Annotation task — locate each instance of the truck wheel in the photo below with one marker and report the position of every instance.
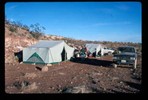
(109, 53)
(115, 65)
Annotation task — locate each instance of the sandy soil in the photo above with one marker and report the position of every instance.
(88, 76)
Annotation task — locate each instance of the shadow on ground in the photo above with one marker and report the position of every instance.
(91, 61)
(129, 87)
(134, 85)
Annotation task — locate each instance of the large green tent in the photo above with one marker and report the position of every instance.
(46, 51)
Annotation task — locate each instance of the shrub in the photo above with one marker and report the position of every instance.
(36, 30)
(13, 29)
(36, 35)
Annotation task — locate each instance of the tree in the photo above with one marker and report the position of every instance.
(26, 27)
(36, 30)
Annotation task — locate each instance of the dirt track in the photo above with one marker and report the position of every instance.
(88, 76)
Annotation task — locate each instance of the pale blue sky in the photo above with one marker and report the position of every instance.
(96, 21)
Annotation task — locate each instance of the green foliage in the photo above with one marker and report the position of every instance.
(36, 30)
(36, 35)
(12, 28)
(25, 27)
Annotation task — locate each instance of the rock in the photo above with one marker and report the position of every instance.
(30, 75)
(62, 73)
(115, 65)
(104, 89)
(30, 87)
(44, 69)
(52, 88)
(78, 89)
(115, 78)
(94, 73)
(71, 82)
(21, 62)
(21, 84)
(121, 82)
(36, 68)
(131, 69)
(33, 64)
(134, 74)
(49, 64)
(59, 86)
(74, 77)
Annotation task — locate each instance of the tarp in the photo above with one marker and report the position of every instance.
(47, 52)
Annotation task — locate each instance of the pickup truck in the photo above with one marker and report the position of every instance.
(108, 51)
(125, 55)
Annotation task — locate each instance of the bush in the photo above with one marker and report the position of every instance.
(36, 35)
(36, 30)
(13, 29)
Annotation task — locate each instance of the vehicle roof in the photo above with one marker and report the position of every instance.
(126, 47)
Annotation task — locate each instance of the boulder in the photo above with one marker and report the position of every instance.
(49, 64)
(44, 69)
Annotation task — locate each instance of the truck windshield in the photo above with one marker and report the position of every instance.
(126, 49)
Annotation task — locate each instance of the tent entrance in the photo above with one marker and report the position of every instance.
(35, 58)
(64, 54)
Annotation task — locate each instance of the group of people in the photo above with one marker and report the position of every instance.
(83, 52)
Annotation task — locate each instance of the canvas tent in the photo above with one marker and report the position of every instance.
(47, 52)
(95, 48)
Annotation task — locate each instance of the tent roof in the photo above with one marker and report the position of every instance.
(46, 44)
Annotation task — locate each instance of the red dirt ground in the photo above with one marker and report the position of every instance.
(89, 76)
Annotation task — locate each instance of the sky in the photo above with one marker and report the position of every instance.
(94, 21)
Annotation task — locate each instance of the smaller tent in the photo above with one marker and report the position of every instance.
(46, 51)
(95, 48)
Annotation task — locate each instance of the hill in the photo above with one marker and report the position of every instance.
(18, 36)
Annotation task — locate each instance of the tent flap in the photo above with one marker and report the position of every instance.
(35, 58)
